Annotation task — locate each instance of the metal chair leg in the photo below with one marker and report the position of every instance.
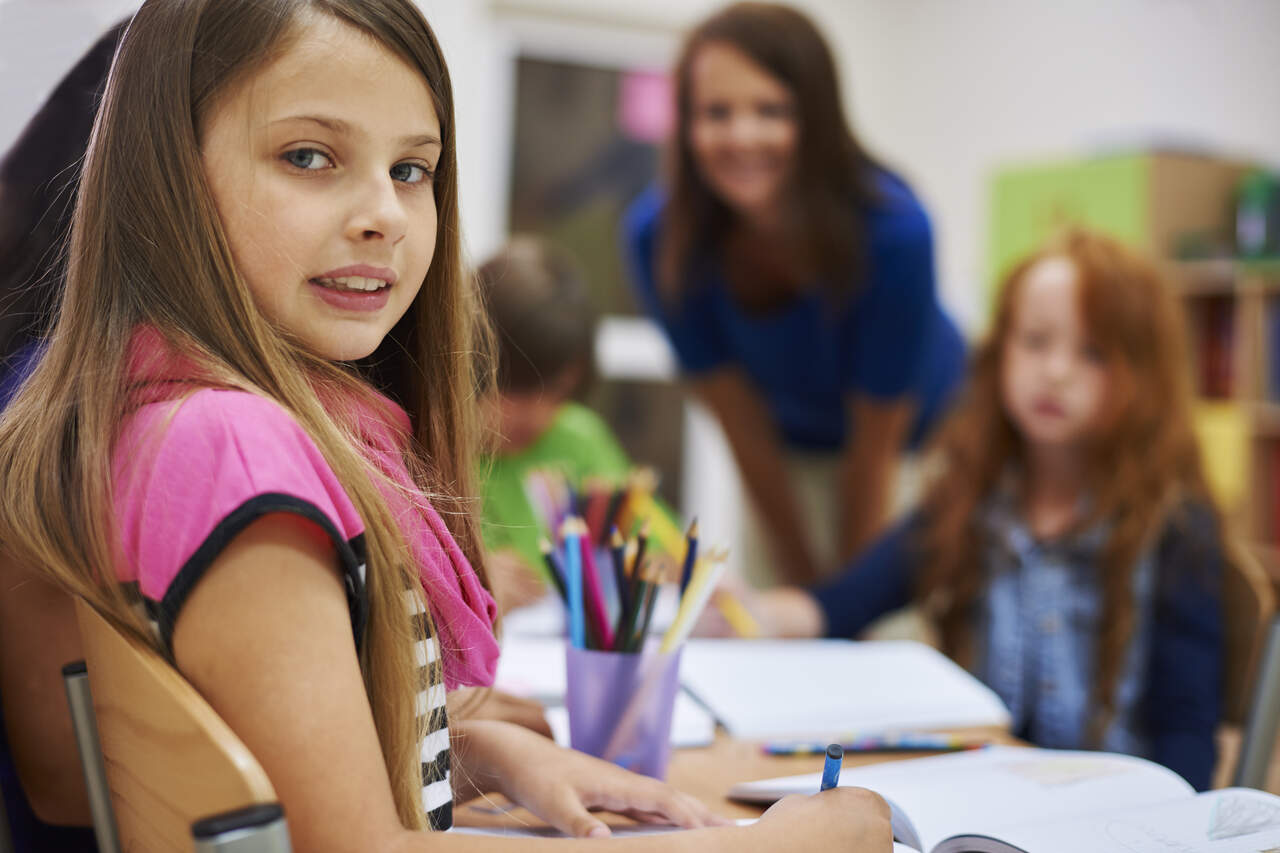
(76, 678)
(1259, 740)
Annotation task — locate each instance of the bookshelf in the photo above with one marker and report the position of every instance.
(1233, 315)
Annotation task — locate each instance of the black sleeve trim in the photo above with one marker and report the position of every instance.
(351, 556)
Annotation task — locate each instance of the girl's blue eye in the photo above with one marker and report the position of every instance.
(410, 173)
(307, 158)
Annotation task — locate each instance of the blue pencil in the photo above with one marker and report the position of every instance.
(573, 584)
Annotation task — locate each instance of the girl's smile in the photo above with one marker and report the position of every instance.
(356, 288)
(322, 167)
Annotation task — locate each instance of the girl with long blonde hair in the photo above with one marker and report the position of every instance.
(1068, 550)
(249, 440)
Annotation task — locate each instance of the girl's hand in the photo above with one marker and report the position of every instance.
(488, 703)
(513, 582)
(838, 819)
(562, 786)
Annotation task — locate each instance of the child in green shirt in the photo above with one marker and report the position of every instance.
(544, 328)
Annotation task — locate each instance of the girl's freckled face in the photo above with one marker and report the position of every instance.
(321, 167)
(1054, 381)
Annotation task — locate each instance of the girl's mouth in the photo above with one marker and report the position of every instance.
(353, 293)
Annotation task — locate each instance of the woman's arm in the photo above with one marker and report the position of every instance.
(38, 635)
(265, 636)
(757, 446)
(878, 430)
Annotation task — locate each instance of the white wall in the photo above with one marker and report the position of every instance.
(967, 86)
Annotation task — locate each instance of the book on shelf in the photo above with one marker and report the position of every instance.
(1005, 799)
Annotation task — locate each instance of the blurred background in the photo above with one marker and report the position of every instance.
(1155, 119)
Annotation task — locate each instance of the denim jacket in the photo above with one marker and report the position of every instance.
(1036, 630)
(1036, 616)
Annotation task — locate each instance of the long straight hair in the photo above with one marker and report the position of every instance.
(1142, 462)
(833, 175)
(148, 250)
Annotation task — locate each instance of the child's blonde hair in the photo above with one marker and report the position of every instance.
(148, 249)
(1143, 461)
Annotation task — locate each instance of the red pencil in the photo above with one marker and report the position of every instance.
(596, 611)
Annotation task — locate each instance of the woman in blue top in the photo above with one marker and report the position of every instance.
(794, 277)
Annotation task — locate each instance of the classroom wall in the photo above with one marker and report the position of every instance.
(943, 91)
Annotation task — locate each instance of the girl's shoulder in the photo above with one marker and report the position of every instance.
(190, 473)
(197, 422)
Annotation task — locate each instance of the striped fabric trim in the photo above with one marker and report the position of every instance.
(433, 753)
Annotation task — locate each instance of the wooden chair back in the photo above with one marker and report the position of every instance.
(170, 759)
(1249, 602)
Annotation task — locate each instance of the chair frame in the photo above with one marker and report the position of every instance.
(164, 772)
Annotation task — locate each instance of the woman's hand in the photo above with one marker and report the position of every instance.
(785, 611)
(838, 819)
(562, 786)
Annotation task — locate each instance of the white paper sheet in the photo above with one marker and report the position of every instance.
(834, 688)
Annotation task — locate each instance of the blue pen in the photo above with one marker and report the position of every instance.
(831, 770)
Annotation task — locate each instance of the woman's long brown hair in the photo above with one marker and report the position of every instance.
(833, 182)
(1142, 463)
(147, 249)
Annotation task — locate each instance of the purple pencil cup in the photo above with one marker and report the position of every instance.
(620, 706)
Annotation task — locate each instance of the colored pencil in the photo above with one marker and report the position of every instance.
(573, 584)
(553, 568)
(596, 611)
(690, 555)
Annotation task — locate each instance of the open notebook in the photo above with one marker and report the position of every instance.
(834, 688)
(1025, 800)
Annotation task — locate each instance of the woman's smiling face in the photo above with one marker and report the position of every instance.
(743, 129)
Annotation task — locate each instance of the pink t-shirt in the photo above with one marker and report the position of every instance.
(191, 473)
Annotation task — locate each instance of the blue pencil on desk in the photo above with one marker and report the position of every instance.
(886, 743)
(831, 770)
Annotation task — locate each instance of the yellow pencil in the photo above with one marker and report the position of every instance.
(737, 615)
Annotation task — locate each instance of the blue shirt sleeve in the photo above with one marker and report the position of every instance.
(890, 322)
(690, 323)
(877, 582)
(1185, 677)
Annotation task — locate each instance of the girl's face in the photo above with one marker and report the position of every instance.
(743, 130)
(321, 170)
(1054, 381)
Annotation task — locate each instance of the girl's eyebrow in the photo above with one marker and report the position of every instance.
(345, 128)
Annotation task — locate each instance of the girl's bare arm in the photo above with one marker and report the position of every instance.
(265, 636)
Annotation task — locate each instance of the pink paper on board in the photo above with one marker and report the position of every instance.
(645, 105)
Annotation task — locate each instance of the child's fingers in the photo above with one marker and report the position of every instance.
(565, 811)
(652, 797)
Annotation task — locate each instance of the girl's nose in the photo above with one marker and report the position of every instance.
(378, 212)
